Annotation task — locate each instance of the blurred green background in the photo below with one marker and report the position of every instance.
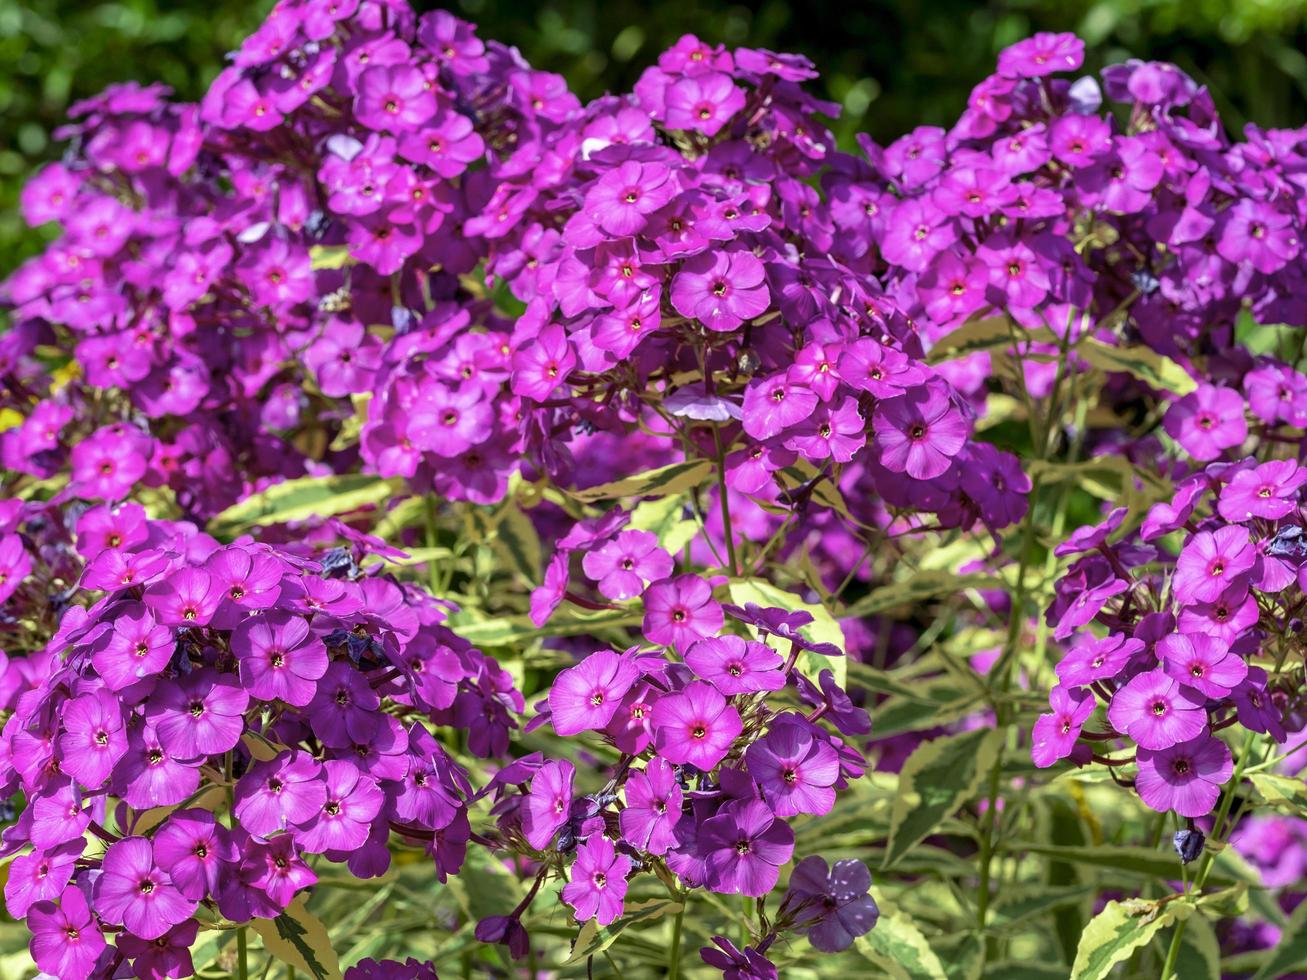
(892, 64)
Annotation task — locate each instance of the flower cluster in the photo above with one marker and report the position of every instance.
(1185, 633)
(1041, 203)
(723, 397)
(308, 694)
(709, 773)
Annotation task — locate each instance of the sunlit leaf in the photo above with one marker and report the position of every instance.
(937, 778)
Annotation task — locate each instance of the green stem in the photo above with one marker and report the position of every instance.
(1002, 671)
(725, 505)
(1209, 858)
(242, 953)
(433, 573)
(674, 954)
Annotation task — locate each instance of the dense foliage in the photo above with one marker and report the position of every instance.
(449, 524)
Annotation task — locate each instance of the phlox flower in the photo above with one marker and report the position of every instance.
(1157, 711)
(721, 289)
(280, 659)
(584, 697)
(695, 726)
(795, 768)
(653, 807)
(133, 891)
(597, 889)
(680, 610)
(1186, 777)
(1054, 734)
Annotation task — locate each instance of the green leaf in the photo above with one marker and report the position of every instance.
(662, 518)
(898, 947)
(1013, 970)
(935, 702)
(1117, 931)
(672, 479)
(937, 778)
(1200, 953)
(1017, 904)
(509, 630)
(297, 937)
(884, 682)
(329, 257)
(920, 586)
(963, 955)
(1142, 861)
(1227, 902)
(515, 540)
(593, 939)
(1282, 792)
(822, 629)
(972, 336)
(1291, 953)
(306, 497)
(1142, 363)
(990, 333)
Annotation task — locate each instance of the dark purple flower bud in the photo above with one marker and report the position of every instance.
(1189, 844)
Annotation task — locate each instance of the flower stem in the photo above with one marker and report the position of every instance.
(674, 953)
(725, 505)
(242, 953)
(1209, 858)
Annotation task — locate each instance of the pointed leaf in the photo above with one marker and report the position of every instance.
(298, 938)
(304, 498)
(938, 777)
(1117, 931)
(1142, 363)
(898, 947)
(593, 939)
(1291, 952)
(672, 479)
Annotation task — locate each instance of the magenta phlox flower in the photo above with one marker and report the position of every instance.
(1211, 562)
(1097, 659)
(721, 289)
(282, 792)
(279, 657)
(585, 697)
(1054, 735)
(702, 103)
(597, 889)
(1203, 662)
(1186, 777)
(776, 404)
(133, 891)
(745, 844)
(1043, 54)
(1270, 490)
(795, 767)
(94, 738)
(695, 726)
(1157, 711)
(624, 565)
(66, 939)
(678, 611)
(734, 665)
(199, 714)
(167, 956)
(344, 821)
(1207, 422)
(196, 851)
(653, 807)
(549, 804)
(919, 432)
